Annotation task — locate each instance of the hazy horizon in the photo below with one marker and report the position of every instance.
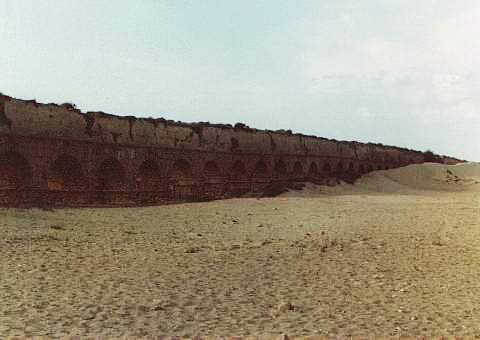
(403, 73)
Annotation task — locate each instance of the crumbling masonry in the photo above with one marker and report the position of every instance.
(56, 155)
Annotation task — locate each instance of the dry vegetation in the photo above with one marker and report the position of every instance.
(398, 253)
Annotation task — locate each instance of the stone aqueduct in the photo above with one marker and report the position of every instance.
(56, 155)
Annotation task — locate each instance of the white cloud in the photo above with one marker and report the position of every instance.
(439, 53)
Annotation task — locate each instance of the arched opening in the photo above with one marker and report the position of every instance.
(260, 176)
(298, 170)
(313, 171)
(65, 174)
(183, 186)
(327, 169)
(238, 170)
(15, 172)
(339, 169)
(280, 169)
(261, 170)
(349, 175)
(214, 186)
(211, 170)
(181, 170)
(110, 175)
(149, 176)
(239, 183)
(351, 168)
(361, 169)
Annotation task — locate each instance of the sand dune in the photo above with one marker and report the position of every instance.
(407, 180)
(428, 176)
(398, 253)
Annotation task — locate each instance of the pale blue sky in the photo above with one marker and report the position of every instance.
(398, 72)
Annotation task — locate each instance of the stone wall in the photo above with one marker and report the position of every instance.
(57, 155)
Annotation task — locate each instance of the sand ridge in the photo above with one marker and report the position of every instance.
(411, 179)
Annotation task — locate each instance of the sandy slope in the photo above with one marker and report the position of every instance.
(395, 258)
(416, 178)
(430, 176)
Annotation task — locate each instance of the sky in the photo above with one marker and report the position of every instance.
(397, 72)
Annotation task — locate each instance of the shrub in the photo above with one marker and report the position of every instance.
(429, 156)
(69, 106)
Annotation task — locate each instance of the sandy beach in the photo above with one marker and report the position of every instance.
(396, 254)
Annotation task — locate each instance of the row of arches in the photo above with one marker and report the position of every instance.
(67, 174)
(66, 171)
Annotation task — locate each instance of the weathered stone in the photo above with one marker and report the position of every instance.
(56, 155)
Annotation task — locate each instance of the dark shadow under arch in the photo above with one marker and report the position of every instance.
(184, 186)
(181, 170)
(298, 169)
(214, 186)
(280, 169)
(211, 170)
(111, 175)
(351, 168)
(149, 176)
(15, 171)
(327, 169)
(313, 171)
(238, 171)
(339, 169)
(261, 170)
(361, 169)
(239, 182)
(65, 174)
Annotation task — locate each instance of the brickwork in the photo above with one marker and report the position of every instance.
(59, 156)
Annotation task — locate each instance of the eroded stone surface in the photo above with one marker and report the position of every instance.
(56, 155)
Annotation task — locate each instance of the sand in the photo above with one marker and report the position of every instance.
(396, 254)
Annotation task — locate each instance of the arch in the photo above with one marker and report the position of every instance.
(149, 176)
(261, 177)
(298, 169)
(327, 168)
(181, 170)
(261, 170)
(339, 168)
(183, 184)
(313, 170)
(15, 171)
(65, 173)
(214, 186)
(361, 169)
(238, 170)
(111, 175)
(297, 172)
(211, 170)
(280, 169)
(351, 168)
(239, 183)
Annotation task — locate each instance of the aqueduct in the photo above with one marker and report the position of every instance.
(56, 155)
